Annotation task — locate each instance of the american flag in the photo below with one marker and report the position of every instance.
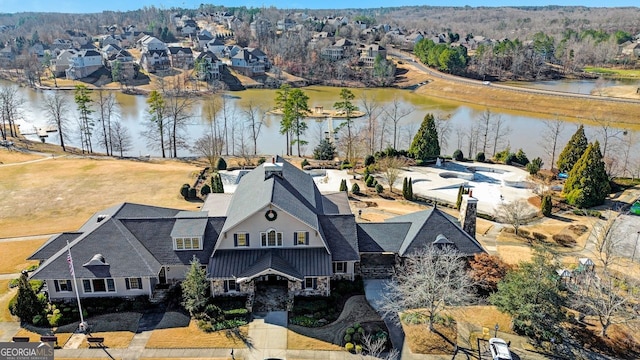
(70, 261)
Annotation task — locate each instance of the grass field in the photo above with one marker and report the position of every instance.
(192, 337)
(60, 195)
(616, 73)
(15, 253)
(33, 336)
(296, 341)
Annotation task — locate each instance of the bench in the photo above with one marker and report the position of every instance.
(20, 339)
(53, 339)
(95, 341)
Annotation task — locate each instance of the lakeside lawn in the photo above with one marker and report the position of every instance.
(616, 73)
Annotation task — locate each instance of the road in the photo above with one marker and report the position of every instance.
(437, 74)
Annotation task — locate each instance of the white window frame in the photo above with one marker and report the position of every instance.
(65, 282)
(236, 286)
(187, 243)
(338, 264)
(264, 238)
(93, 290)
(314, 283)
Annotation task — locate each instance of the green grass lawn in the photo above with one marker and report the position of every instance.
(617, 73)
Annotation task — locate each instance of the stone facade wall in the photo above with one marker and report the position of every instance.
(217, 288)
(323, 288)
(468, 214)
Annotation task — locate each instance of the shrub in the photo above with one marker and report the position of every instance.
(349, 347)
(358, 349)
(564, 239)
(229, 324)
(206, 189)
(457, 155)
(546, 205)
(523, 232)
(205, 326)
(510, 159)
(370, 181)
(184, 191)
(221, 164)
(502, 155)
(55, 317)
(593, 213)
(303, 320)
(350, 331)
(534, 166)
(538, 236)
(379, 188)
(192, 193)
(213, 312)
(343, 185)
(304, 163)
(347, 338)
(355, 188)
(521, 158)
(480, 157)
(369, 160)
(345, 165)
(261, 160)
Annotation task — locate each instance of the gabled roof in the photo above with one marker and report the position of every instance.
(341, 234)
(336, 203)
(55, 243)
(381, 237)
(178, 49)
(235, 263)
(270, 262)
(425, 226)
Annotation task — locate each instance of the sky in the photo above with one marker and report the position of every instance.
(84, 6)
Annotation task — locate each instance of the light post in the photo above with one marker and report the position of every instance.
(496, 328)
(633, 256)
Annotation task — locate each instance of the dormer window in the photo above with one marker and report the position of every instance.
(187, 243)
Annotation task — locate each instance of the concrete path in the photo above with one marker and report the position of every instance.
(374, 290)
(268, 337)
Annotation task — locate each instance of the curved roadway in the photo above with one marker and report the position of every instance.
(408, 57)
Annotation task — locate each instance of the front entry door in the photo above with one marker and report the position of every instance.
(162, 276)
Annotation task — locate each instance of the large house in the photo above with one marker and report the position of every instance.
(276, 230)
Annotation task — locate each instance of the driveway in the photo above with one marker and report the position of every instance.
(374, 290)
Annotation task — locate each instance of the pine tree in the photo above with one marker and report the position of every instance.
(572, 151)
(410, 189)
(27, 305)
(425, 144)
(588, 183)
(195, 288)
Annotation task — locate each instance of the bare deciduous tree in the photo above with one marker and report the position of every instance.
(390, 167)
(121, 138)
(514, 213)
(371, 111)
(427, 282)
(609, 299)
(56, 106)
(396, 112)
(255, 119)
(10, 110)
(106, 104)
(373, 347)
(606, 245)
(550, 138)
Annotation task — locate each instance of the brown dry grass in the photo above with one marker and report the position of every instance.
(513, 254)
(75, 188)
(423, 341)
(11, 157)
(484, 316)
(6, 295)
(296, 341)
(34, 336)
(112, 339)
(15, 253)
(193, 337)
(574, 109)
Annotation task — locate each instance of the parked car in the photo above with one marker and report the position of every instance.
(499, 349)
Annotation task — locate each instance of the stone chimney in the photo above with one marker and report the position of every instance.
(468, 214)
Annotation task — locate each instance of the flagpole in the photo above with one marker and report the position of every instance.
(83, 325)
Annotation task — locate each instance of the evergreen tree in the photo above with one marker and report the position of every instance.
(343, 185)
(27, 305)
(546, 205)
(588, 183)
(205, 190)
(425, 144)
(531, 294)
(355, 189)
(221, 164)
(195, 288)
(405, 189)
(572, 151)
(459, 198)
(325, 150)
(410, 190)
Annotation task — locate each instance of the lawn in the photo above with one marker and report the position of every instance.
(10, 157)
(14, 254)
(297, 341)
(5, 296)
(617, 73)
(483, 316)
(60, 195)
(423, 341)
(192, 337)
(112, 339)
(34, 336)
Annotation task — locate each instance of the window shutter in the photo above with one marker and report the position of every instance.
(140, 283)
(247, 237)
(69, 288)
(306, 238)
(55, 284)
(315, 283)
(226, 286)
(295, 238)
(235, 240)
(126, 282)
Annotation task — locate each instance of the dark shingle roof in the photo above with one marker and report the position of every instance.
(52, 245)
(427, 225)
(233, 263)
(381, 237)
(341, 234)
(271, 261)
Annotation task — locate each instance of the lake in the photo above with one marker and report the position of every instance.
(526, 129)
